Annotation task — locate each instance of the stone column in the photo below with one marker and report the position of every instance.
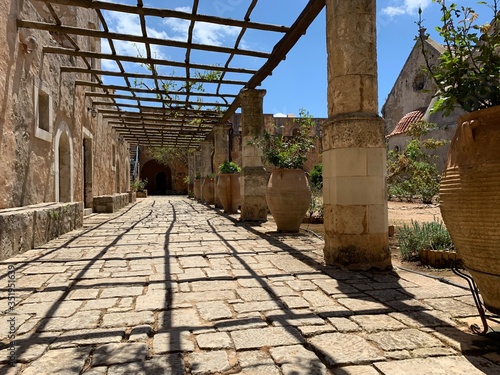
(197, 163)
(191, 172)
(354, 155)
(206, 158)
(221, 151)
(253, 175)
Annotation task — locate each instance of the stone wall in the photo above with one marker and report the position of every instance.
(41, 150)
(24, 228)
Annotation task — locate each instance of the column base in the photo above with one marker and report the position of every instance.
(358, 252)
(253, 194)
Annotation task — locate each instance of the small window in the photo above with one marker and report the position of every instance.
(295, 132)
(419, 82)
(396, 148)
(43, 112)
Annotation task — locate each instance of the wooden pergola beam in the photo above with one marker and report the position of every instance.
(168, 13)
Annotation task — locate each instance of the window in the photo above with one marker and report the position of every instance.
(43, 112)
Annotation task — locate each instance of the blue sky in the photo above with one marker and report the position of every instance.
(300, 80)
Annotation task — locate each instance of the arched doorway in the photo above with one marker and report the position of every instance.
(161, 184)
(63, 165)
(159, 178)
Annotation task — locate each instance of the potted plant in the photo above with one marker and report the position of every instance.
(208, 189)
(139, 186)
(288, 194)
(467, 75)
(228, 186)
(197, 187)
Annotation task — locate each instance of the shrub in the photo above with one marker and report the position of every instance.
(229, 167)
(139, 185)
(316, 177)
(423, 236)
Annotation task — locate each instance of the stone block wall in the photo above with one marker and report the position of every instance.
(25, 228)
(111, 203)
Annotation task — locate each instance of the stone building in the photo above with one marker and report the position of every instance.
(54, 145)
(411, 100)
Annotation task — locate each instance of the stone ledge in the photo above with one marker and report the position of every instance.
(24, 228)
(110, 203)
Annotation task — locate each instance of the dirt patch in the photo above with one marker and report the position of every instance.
(401, 213)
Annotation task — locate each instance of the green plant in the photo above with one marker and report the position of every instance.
(412, 171)
(422, 236)
(467, 73)
(139, 185)
(197, 176)
(187, 179)
(229, 167)
(288, 152)
(316, 177)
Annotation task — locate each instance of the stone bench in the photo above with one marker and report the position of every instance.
(24, 228)
(111, 203)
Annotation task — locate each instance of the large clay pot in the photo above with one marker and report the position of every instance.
(288, 197)
(197, 189)
(470, 199)
(208, 190)
(228, 191)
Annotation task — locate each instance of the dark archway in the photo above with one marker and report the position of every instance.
(161, 184)
(159, 178)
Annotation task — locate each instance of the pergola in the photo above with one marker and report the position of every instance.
(152, 108)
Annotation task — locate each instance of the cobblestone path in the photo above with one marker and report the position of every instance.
(170, 286)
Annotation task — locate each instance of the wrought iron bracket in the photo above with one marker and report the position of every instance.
(477, 299)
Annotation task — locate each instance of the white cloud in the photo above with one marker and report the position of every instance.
(203, 33)
(125, 23)
(279, 114)
(405, 7)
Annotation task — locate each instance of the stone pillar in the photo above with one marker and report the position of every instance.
(221, 151)
(191, 172)
(354, 155)
(206, 158)
(197, 163)
(253, 175)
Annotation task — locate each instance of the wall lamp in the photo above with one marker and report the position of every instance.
(93, 111)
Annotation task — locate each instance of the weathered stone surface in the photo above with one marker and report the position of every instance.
(212, 311)
(82, 337)
(439, 366)
(345, 349)
(209, 362)
(140, 333)
(373, 323)
(297, 360)
(172, 341)
(116, 353)
(217, 340)
(344, 325)
(257, 362)
(407, 339)
(159, 365)
(293, 318)
(63, 361)
(272, 336)
(123, 319)
(356, 370)
(79, 320)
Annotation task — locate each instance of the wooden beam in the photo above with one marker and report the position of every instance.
(168, 13)
(139, 60)
(136, 39)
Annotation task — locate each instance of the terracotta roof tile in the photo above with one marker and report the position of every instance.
(408, 119)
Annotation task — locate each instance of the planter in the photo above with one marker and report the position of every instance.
(470, 199)
(228, 191)
(141, 194)
(288, 197)
(197, 189)
(208, 190)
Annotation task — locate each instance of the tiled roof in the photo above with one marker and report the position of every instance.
(407, 120)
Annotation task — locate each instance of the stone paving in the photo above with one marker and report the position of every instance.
(171, 286)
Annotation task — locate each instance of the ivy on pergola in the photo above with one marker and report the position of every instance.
(169, 110)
